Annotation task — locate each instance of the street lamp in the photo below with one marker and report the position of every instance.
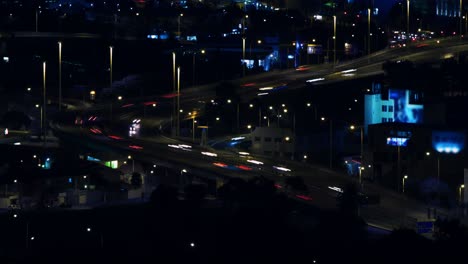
(133, 163)
(174, 87)
(334, 40)
(44, 98)
(404, 179)
(111, 49)
(193, 65)
(251, 106)
(368, 31)
(460, 16)
(178, 27)
(462, 186)
(407, 16)
(352, 127)
(60, 76)
(361, 168)
(178, 101)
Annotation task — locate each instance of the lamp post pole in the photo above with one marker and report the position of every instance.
(193, 129)
(368, 31)
(334, 40)
(110, 62)
(460, 16)
(178, 25)
(60, 76)
(403, 185)
(407, 16)
(174, 88)
(44, 100)
(178, 101)
(110, 75)
(460, 193)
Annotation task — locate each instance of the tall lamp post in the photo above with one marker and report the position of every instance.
(438, 168)
(178, 25)
(361, 129)
(334, 40)
(251, 106)
(174, 88)
(368, 31)
(193, 65)
(44, 100)
(111, 49)
(178, 101)
(460, 193)
(403, 182)
(133, 163)
(60, 75)
(407, 16)
(460, 16)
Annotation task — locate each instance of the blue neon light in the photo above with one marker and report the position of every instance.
(448, 142)
(398, 142)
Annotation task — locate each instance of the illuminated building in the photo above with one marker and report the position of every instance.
(397, 106)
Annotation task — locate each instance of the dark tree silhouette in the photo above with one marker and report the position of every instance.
(195, 193)
(136, 179)
(164, 196)
(16, 120)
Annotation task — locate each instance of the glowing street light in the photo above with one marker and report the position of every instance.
(133, 163)
(404, 179)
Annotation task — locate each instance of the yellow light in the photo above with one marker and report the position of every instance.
(352, 127)
(129, 157)
(92, 92)
(203, 51)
